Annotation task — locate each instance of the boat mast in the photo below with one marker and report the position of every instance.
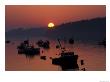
(60, 45)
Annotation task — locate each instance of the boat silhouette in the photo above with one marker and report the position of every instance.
(25, 48)
(71, 41)
(67, 60)
(43, 57)
(103, 42)
(8, 41)
(43, 44)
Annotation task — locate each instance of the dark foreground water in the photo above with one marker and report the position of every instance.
(94, 57)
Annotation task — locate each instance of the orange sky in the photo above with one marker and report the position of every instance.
(38, 16)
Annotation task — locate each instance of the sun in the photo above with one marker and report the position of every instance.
(51, 25)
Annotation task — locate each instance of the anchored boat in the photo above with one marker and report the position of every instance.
(25, 48)
(67, 60)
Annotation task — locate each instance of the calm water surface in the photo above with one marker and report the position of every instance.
(94, 57)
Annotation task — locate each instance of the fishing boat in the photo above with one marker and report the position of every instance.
(67, 60)
(43, 44)
(25, 48)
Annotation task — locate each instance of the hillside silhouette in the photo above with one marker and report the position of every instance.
(87, 30)
(94, 29)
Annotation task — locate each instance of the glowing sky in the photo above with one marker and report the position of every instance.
(40, 15)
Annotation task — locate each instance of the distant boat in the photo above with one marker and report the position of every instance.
(40, 43)
(8, 41)
(46, 45)
(25, 48)
(103, 42)
(71, 41)
(43, 57)
(43, 44)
